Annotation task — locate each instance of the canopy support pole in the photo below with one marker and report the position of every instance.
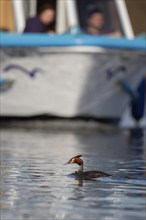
(124, 18)
(18, 15)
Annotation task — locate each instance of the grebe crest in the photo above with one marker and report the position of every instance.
(76, 160)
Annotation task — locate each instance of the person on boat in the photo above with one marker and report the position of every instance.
(96, 23)
(43, 22)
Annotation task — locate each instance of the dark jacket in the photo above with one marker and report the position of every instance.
(34, 25)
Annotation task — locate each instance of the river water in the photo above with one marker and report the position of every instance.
(35, 184)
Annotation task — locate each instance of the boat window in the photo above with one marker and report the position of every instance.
(111, 19)
(46, 23)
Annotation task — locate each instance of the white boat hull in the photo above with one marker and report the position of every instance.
(68, 81)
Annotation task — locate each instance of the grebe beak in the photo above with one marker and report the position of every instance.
(68, 162)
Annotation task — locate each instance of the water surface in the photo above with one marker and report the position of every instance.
(36, 185)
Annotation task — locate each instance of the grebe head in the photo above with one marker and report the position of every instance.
(76, 160)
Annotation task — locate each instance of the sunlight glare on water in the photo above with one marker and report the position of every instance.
(36, 185)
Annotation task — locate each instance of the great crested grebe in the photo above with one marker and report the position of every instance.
(87, 174)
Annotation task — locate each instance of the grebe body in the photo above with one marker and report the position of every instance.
(85, 174)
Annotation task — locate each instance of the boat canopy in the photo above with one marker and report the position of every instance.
(71, 14)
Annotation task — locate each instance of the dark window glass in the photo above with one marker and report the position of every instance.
(108, 7)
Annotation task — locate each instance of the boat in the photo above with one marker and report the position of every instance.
(70, 74)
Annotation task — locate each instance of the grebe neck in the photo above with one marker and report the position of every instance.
(80, 170)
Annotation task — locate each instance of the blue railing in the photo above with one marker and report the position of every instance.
(32, 40)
